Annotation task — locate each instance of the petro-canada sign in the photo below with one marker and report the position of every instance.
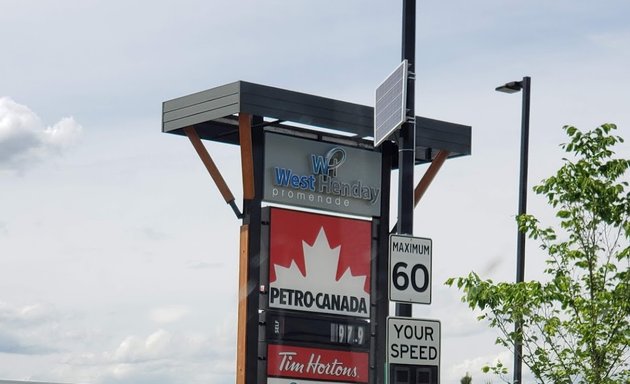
(320, 175)
(319, 263)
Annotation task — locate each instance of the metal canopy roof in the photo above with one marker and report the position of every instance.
(214, 115)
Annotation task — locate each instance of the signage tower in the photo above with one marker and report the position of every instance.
(313, 302)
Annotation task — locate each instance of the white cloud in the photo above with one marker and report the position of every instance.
(27, 330)
(154, 347)
(160, 357)
(63, 134)
(65, 351)
(165, 315)
(162, 345)
(31, 314)
(24, 140)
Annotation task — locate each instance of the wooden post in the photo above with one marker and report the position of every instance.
(429, 175)
(209, 163)
(247, 156)
(241, 336)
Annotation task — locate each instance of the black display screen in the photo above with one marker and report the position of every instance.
(319, 329)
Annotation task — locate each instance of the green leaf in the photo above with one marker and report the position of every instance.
(563, 214)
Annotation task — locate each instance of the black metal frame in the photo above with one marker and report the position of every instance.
(214, 115)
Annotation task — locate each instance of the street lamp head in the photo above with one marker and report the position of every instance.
(511, 87)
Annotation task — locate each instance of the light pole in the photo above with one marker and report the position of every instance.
(513, 87)
(407, 138)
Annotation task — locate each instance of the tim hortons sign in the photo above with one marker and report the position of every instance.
(321, 175)
(279, 380)
(319, 263)
(316, 364)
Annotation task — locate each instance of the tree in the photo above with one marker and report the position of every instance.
(466, 379)
(576, 323)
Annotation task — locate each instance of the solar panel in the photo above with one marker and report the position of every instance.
(390, 108)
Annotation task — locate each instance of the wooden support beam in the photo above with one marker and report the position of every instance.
(241, 337)
(429, 175)
(209, 163)
(426, 180)
(247, 157)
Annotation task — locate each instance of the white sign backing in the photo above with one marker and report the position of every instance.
(410, 269)
(413, 341)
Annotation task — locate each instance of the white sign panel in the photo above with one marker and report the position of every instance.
(413, 341)
(410, 269)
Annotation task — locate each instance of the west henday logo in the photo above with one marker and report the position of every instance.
(319, 281)
(323, 178)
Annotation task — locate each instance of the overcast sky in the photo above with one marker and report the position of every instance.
(118, 257)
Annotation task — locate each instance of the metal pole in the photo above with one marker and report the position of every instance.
(381, 282)
(522, 209)
(407, 138)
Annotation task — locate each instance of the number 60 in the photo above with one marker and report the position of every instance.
(401, 278)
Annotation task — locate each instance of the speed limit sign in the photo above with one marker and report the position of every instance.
(410, 269)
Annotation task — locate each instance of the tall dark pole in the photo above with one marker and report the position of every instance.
(407, 138)
(522, 197)
(513, 87)
(522, 209)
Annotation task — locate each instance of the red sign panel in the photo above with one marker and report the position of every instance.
(317, 364)
(319, 263)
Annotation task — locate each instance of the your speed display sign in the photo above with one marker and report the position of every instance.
(410, 269)
(413, 341)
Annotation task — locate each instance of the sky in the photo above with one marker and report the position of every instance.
(118, 256)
